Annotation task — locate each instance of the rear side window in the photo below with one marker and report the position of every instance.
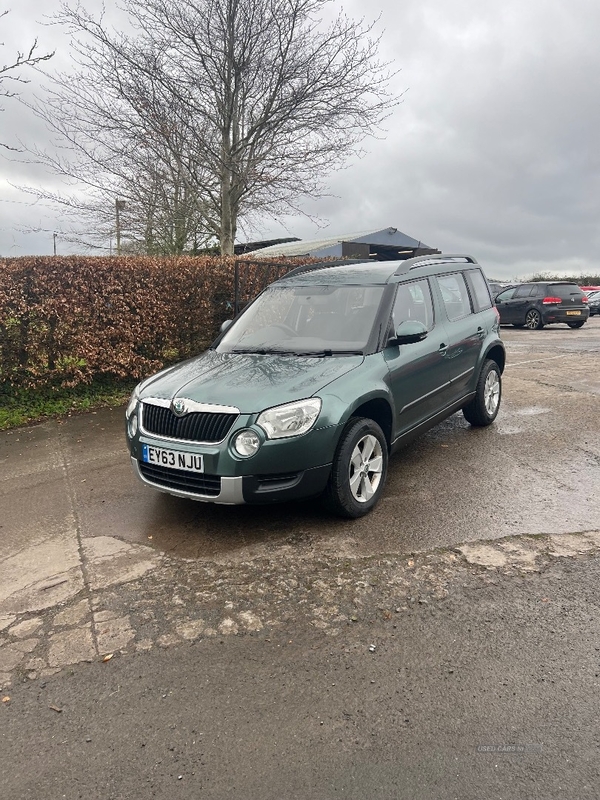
(479, 289)
(454, 295)
(525, 290)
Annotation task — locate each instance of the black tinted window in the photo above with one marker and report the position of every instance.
(563, 290)
(525, 290)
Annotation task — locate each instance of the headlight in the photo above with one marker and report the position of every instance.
(292, 419)
(246, 443)
(133, 401)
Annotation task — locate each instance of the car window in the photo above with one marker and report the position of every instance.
(455, 295)
(525, 290)
(305, 319)
(564, 290)
(506, 294)
(413, 301)
(479, 289)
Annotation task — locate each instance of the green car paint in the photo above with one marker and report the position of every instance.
(328, 371)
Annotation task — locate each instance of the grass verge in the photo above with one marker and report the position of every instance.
(23, 407)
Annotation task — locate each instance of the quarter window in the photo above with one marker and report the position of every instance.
(479, 289)
(455, 295)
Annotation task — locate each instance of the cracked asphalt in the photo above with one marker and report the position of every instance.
(313, 657)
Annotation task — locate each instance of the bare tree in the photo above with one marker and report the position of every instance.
(10, 74)
(244, 104)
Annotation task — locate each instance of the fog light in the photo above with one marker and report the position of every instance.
(246, 443)
(133, 425)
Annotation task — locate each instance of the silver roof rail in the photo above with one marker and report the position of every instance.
(340, 262)
(437, 258)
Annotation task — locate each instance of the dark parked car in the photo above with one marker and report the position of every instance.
(594, 303)
(318, 380)
(533, 305)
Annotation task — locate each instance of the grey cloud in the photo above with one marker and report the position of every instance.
(493, 149)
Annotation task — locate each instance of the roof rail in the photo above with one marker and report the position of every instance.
(342, 262)
(437, 258)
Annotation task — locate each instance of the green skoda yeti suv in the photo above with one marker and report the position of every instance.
(312, 387)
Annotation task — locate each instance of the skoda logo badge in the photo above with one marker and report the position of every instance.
(178, 407)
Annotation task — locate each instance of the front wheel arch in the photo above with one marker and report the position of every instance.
(379, 410)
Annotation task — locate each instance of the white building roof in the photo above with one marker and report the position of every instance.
(391, 237)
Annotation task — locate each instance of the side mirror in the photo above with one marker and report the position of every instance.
(225, 325)
(409, 332)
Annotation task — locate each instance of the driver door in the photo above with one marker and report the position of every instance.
(419, 375)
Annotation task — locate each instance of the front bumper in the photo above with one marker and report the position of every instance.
(228, 490)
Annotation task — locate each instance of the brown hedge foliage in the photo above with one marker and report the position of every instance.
(68, 320)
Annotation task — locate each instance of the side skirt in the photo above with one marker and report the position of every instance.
(409, 436)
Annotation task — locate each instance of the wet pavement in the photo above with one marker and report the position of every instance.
(87, 550)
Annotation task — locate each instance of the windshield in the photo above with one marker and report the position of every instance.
(306, 320)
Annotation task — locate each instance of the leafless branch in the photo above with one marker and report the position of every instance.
(215, 111)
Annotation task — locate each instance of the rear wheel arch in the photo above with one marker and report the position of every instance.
(533, 319)
(483, 408)
(497, 354)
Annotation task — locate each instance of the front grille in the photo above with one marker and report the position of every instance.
(184, 481)
(194, 427)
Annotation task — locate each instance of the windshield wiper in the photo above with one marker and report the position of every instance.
(327, 353)
(261, 351)
(253, 351)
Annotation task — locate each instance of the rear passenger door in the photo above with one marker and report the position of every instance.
(464, 333)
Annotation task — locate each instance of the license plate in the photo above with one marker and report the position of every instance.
(573, 313)
(191, 462)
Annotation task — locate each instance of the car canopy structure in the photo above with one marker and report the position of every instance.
(385, 244)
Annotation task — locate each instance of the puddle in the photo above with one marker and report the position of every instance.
(532, 411)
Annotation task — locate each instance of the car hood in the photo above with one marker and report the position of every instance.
(248, 382)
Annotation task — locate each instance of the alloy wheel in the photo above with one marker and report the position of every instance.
(491, 392)
(366, 468)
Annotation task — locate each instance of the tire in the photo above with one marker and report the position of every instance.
(579, 324)
(483, 408)
(352, 492)
(533, 320)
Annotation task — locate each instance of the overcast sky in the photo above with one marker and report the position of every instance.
(494, 150)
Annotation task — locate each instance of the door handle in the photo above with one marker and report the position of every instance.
(480, 332)
(443, 348)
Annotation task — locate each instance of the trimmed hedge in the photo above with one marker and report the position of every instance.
(65, 321)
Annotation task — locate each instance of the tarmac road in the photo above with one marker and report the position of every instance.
(528, 473)
(475, 579)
